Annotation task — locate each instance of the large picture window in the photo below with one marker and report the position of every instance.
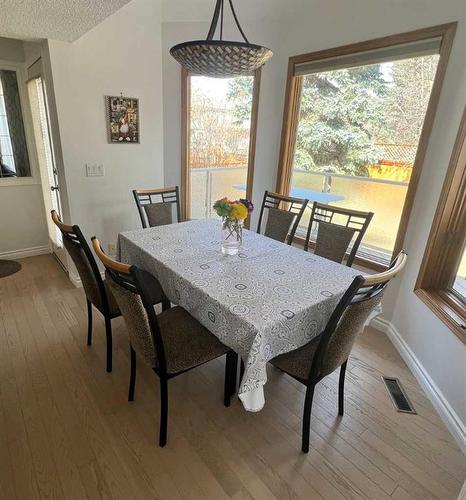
(356, 124)
(442, 279)
(219, 131)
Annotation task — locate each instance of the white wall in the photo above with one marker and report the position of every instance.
(23, 229)
(11, 50)
(121, 55)
(329, 24)
(435, 346)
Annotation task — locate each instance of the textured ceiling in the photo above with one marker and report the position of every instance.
(202, 10)
(63, 20)
(67, 20)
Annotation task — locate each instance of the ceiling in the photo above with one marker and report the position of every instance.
(202, 10)
(67, 20)
(63, 20)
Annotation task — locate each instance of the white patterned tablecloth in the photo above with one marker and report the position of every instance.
(269, 299)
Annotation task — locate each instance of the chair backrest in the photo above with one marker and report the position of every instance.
(129, 287)
(335, 230)
(349, 318)
(79, 251)
(283, 216)
(155, 206)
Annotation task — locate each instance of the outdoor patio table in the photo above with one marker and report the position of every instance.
(269, 299)
(307, 194)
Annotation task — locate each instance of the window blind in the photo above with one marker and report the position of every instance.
(385, 54)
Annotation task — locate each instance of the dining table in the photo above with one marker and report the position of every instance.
(269, 299)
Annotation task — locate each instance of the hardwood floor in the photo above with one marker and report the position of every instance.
(67, 430)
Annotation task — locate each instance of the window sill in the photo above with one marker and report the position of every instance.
(372, 265)
(18, 181)
(447, 309)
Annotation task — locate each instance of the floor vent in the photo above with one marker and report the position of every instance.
(398, 395)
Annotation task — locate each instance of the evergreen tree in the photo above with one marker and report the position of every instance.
(240, 95)
(341, 113)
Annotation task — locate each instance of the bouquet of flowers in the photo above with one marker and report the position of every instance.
(233, 214)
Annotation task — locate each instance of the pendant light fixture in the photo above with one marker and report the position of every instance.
(221, 58)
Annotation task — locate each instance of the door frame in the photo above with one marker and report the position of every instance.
(57, 250)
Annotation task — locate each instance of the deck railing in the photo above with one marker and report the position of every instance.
(384, 197)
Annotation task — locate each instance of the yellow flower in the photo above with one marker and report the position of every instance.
(238, 211)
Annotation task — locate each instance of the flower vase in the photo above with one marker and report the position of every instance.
(232, 236)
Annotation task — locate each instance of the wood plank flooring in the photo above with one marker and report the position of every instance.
(67, 430)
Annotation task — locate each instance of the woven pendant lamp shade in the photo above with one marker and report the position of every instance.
(221, 58)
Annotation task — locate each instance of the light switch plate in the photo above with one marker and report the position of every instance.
(95, 170)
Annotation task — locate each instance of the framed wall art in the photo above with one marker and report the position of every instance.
(123, 119)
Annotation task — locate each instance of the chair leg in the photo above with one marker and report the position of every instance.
(230, 377)
(89, 322)
(165, 305)
(234, 372)
(108, 334)
(163, 411)
(132, 376)
(341, 388)
(307, 418)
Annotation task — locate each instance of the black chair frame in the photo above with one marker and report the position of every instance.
(135, 283)
(293, 205)
(76, 238)
(356, 219)
(145, 197)
(357, 292)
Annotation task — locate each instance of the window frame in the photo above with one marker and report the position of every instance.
(8, 135)
(185, 141)
(445, 248)
(33, 178)
(446, 33)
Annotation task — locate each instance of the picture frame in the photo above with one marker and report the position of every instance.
(123, 119)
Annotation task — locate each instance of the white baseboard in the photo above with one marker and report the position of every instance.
(25, 252)
(446, 412)
(76, 280)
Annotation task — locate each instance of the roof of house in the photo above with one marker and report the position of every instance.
(397, 154)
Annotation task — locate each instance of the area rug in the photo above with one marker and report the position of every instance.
(8, 267)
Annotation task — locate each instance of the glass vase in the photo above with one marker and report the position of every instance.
(232, 236)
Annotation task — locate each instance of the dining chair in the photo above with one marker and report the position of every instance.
(155, 206)
(283, 216)
(334, 229)
(324, 354)
(171, 343)
(95, 288)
